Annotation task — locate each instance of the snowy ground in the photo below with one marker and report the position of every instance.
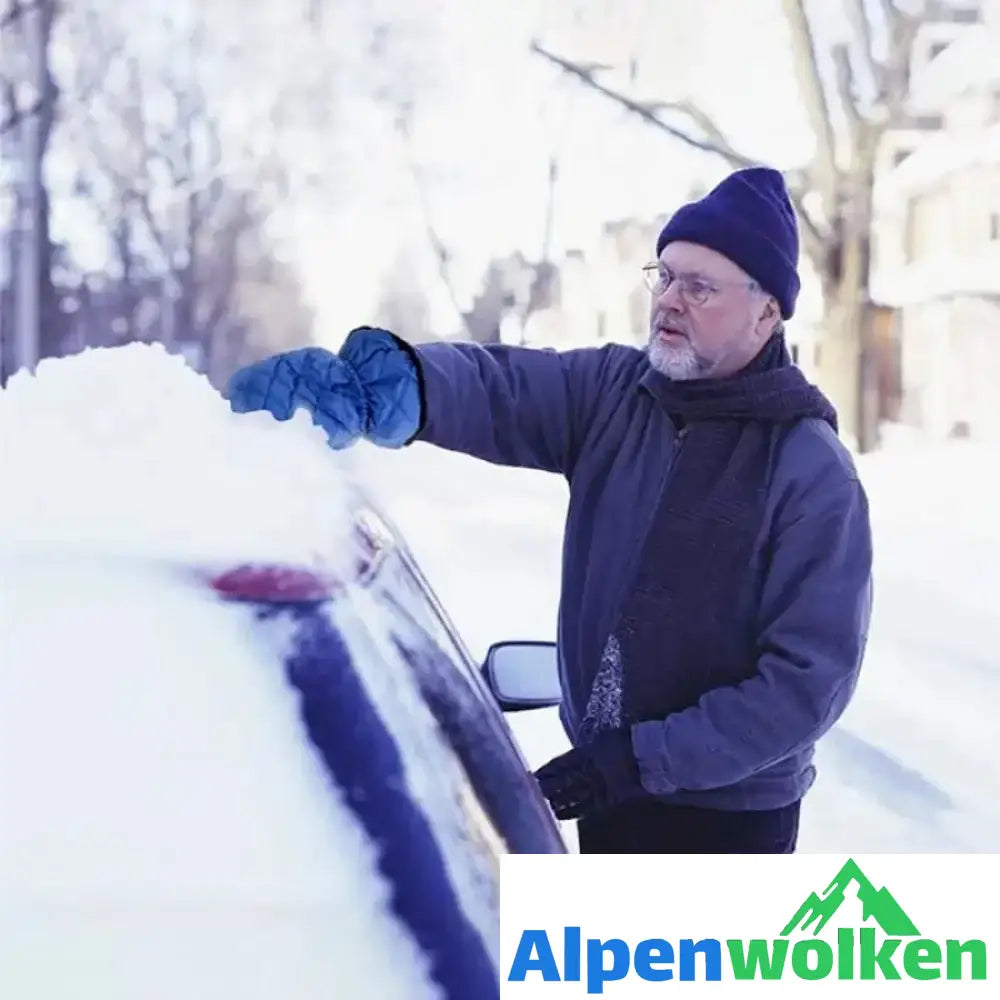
(912, 766)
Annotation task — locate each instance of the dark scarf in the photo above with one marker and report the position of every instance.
(679, 633)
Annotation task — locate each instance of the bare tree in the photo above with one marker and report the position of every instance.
(27, 117)
(402, 57)
(185, 230)
(850, 111)
(435, 241)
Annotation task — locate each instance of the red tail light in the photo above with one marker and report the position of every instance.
(275, 584)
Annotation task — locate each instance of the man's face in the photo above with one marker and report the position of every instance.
(708, 318)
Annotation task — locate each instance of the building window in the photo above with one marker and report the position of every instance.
(994, 226)
(932, 225)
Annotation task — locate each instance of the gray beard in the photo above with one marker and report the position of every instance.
(680, 363)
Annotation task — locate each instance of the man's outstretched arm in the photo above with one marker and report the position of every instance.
(508, 405)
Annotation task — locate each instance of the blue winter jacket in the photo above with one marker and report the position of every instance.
(592, 415)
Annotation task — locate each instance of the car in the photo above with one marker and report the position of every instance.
(142, 785)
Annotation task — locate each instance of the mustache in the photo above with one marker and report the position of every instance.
(668, 322)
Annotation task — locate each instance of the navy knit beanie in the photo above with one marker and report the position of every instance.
(748, 218)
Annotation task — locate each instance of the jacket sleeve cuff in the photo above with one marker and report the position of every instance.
(392, 382)
(414, 359)
(647, 744)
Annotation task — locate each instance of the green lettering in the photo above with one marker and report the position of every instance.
(882, 958)
(920, 954)
(845, 953)
(801, 954)
(768, 957)
(975, 949)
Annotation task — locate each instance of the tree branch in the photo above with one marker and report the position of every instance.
(861, 27)
(845, 85)
(647, 111)
(87, 35)
(16, 9)
(902, 32)
(223, 280)
(703, 120)
(888, 12)
(441, 255)
(812, 234)
(825, 173)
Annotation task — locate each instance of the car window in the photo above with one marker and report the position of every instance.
(472, 725)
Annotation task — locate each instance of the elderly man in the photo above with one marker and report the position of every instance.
(716, 588)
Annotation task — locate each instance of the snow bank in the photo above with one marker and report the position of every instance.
(128, 450)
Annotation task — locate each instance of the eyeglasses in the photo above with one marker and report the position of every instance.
(695, 289)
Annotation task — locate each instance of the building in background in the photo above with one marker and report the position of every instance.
(936, 259)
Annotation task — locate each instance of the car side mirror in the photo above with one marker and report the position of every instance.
(523, 675)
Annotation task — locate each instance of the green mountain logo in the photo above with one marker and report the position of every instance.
(878, 905)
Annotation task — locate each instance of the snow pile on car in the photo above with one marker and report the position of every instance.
(129, 450)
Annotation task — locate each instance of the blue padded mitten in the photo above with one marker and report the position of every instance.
(371, 388)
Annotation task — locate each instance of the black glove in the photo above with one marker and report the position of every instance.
(592, 777)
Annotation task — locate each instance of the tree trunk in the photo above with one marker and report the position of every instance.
(840, 352)
(848, 371)
(848, 362)
(869, 409)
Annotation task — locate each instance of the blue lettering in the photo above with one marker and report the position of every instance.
(525, 962)
(572, 954)
(648, 952)
(597, 974)
(609, 961)
(711, 948)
